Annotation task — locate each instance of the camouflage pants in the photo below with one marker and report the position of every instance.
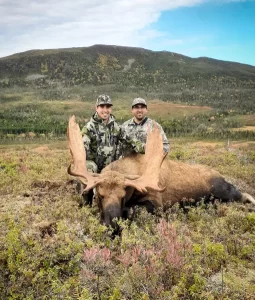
(87, 197)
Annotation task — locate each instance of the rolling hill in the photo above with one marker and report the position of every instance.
(101, 64)
(41, 88)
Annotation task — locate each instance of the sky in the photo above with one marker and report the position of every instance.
(220, 29)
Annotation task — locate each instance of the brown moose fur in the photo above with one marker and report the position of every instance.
(138, 178)
(181, 180)
(111, 189)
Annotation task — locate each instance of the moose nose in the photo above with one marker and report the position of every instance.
(111, 214)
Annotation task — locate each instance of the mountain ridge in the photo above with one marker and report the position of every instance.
(170, 75)
(35, 52)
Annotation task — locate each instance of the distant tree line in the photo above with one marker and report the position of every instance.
(29, 119)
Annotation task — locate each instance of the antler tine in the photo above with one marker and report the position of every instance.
(79, 156)
(154, 157)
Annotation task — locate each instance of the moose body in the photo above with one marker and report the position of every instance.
(148, 179)
(181, 181)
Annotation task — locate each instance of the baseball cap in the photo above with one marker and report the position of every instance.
(103, 99)
(139, 101)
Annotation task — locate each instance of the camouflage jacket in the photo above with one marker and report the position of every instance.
(101, 141)
(133, 136)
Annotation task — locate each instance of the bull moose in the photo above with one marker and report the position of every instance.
(147, 178)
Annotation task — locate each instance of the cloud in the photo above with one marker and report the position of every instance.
(36, 24)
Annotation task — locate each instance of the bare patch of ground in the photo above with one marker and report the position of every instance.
(128, 66)
(13, 203)
(41, 149)
(39, 192)
(214, 145)
(245, 128)
(163, 109)
(202, 144)
(243, 144)
(35, 76)
(248, 120)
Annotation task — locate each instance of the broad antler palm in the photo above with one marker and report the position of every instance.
(154, 156)
(79, 156)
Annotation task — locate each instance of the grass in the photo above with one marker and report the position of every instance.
(121, 109)
(53, 249)
(246, 121)
(245, 128)
(169, 110)
(45, 111)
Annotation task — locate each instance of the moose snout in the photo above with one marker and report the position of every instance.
(111, 213)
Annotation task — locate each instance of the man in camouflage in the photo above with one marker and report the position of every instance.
(134, 131)
(100, 137)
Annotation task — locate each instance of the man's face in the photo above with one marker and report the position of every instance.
(139, 111)
(104, 111)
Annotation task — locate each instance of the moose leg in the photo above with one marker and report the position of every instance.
(221, 189)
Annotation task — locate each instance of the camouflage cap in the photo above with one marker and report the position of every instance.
(139, 101)
(103, 99)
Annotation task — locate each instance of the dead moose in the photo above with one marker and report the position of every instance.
(147, 179)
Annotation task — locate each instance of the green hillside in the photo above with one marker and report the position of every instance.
(39, 89)
(172, 76)
(102, 64)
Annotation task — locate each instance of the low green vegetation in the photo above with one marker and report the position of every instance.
(32, 116)
(51, 248)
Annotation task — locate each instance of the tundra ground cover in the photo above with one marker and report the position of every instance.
(45, 111)
(51, 248)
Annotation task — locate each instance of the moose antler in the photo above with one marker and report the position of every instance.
(154, 158)
(79, 156)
